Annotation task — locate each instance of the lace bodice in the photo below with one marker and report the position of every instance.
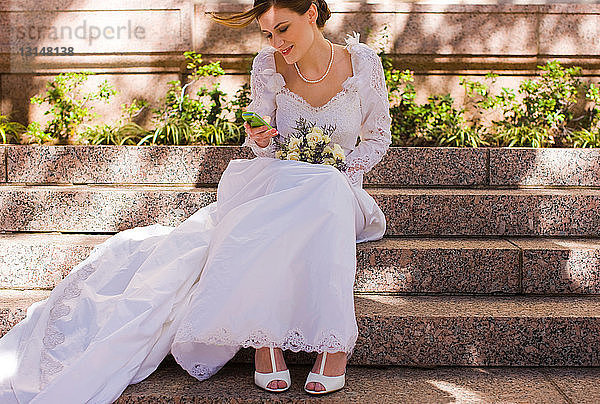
(360, 109)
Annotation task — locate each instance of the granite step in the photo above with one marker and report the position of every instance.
(41, 260)
(390, 384)
(400, 166)
(205, 164)
(409, 211)
(443, 330)
(392, 265)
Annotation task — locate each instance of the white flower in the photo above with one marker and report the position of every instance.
(328, 161)
(294, 142)
(327, 149)
(316, 129)
(278, 154)
(326, 138)
(315, 135)
(293, 156)
(338, 152)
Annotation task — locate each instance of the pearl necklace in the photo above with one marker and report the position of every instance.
(326, 71)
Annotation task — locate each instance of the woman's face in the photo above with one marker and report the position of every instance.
(289, 32)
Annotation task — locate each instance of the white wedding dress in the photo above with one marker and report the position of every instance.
(270, 263)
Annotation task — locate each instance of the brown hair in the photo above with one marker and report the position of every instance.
(262, 6)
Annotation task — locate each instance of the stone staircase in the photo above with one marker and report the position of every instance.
(491, 257)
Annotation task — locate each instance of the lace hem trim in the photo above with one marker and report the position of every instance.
(50, 367)
(294, 340)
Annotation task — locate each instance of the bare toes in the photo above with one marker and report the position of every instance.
(315, 386)
(277, 384)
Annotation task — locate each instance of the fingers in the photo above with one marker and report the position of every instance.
(270, 132)
(260, 134)
(259, 129)
(264, 137)
(254, 130)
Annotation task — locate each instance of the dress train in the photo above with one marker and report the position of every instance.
(250, 269)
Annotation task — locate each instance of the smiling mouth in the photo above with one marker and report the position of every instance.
(287, 51)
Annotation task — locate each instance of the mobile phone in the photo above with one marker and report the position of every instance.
(254, 119)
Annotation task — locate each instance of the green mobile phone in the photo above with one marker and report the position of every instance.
(254, 119)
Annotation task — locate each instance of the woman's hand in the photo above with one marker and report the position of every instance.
(261, 134)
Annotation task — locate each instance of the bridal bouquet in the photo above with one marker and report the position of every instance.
(311, 144)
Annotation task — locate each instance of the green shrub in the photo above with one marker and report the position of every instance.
(201, 119)
(69, 108)
(542, 112)
(539, 114)
(36, 134)
(589, 134)
(434, 123)
(221, 132)
(240, 101)
(585, 138)
(123, 132)
(10, 131)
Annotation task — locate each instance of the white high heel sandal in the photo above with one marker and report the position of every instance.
(331, 383)
(263, 379)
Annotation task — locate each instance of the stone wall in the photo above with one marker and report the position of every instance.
(138, 45)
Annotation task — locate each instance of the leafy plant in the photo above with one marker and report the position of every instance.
(131, 131)
(543, 112)
(67, 106)
(589, 135)
(99, 134)
(539, 113)
(434, 123)
(120, 133)
(585, 138)
(240, 101)
(35, 134)
(9, 131)
(184, 119)
(221, 132)
(175, 131)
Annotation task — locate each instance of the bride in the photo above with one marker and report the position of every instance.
(270, 264)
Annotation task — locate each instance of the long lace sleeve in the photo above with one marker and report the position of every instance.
(264, 84)
(375, 134)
